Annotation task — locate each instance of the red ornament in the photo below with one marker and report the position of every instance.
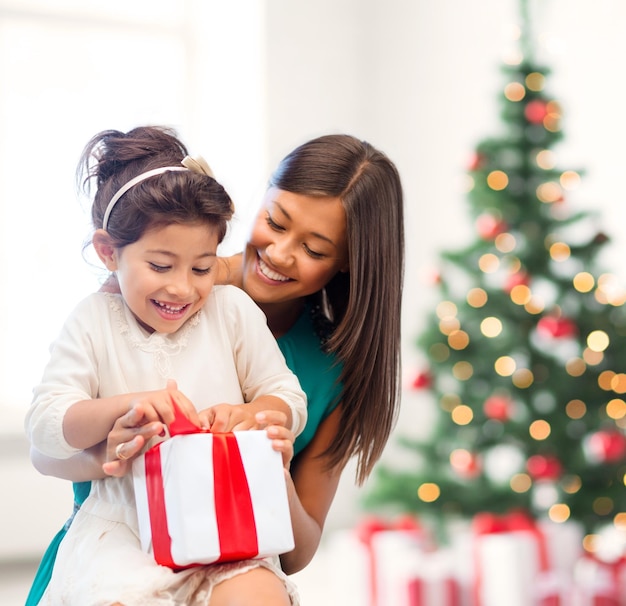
(465, 464)
(536, 111)
(423, 380)
(544, 467)
(488, 226)
(477, 161)
(519, 278)
(498, 408)
(606, 446)
(553, 327)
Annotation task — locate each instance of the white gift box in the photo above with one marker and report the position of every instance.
(522, 562)
(204, 498)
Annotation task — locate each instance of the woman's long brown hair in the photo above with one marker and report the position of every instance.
(364, 304)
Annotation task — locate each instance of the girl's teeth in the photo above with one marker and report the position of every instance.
(272, 275)
(171, 308)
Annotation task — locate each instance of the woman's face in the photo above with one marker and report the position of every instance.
(297, 244)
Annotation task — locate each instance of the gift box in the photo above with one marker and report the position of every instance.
(520, 562)
(436, 581)
(599, 583)
(400, 565)
(204, 498)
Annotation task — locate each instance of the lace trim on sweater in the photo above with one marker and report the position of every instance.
(161, 346)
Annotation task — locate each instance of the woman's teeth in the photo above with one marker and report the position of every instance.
(272, 275)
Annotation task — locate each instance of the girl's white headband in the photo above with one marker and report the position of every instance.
(197, 165)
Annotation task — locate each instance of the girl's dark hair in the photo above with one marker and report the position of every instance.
(112, 158)
(364, 303)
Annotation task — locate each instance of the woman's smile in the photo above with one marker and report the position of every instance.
(269, 273)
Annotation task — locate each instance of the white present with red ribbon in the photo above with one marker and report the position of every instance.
(520, 561)
(204, 498)
(599, 583)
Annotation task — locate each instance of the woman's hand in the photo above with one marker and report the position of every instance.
(125, 441)
(282, 438)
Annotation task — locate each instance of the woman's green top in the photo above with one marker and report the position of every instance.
(319, 377)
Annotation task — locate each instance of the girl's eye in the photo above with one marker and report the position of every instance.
(202, 272)
(159, 268)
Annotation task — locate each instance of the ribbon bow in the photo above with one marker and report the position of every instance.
(198, 165)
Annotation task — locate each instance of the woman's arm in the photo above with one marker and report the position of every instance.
(82, 467)
(133, 430)
(311, 488)
(229, 270)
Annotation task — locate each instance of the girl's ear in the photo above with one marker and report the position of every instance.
(103, 244)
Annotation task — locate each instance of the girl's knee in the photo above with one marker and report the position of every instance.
(259, 586)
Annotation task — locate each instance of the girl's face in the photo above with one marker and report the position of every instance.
(297, 244)
(167, 275)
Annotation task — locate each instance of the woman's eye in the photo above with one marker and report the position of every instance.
(159, 268)
(272, 223)
(312, 253)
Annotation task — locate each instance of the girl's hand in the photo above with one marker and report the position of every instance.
(148, 417)
(282, 438)
(228, 417)
(159, 405)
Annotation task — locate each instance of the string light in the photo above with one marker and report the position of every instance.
(514, 91)
(598, 340)
(491, 327)
(549, 192)
(539, 429)
(462, 371)
(583, 282)
(477, 297)
(428, 492)
(497, 180)
(559, 513)
(462, 414)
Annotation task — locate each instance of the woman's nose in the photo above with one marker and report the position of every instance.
(280, 252)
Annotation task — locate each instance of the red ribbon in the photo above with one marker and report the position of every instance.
(233, 503)
(452, 592)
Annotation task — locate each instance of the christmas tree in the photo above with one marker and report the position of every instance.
(526, 350)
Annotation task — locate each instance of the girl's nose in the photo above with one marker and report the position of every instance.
(180, 285)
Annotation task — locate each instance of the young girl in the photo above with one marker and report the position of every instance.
(324, 261)
(158, 225)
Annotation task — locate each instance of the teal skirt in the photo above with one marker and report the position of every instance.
(44, 572)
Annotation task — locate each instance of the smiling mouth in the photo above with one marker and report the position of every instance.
(173, 310)
(270, 274)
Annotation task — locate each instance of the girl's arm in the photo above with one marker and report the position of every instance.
(88, 422)
(311, 488)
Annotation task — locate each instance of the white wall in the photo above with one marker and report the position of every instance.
(420, 80)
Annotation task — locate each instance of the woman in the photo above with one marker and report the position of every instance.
(324, 261)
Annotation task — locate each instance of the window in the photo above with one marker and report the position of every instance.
(78, 67)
